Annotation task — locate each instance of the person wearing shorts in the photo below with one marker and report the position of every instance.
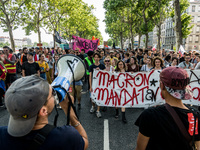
(77, 92)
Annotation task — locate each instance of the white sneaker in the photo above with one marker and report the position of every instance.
(98, 113)
(92, 109)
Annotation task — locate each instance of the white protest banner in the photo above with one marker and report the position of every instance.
(139, 89)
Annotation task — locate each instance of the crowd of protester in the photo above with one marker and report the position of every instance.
(42, 61)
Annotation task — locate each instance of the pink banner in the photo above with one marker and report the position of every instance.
(87, 45)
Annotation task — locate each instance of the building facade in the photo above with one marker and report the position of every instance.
(19, 43)
(168, 34)
(192, 42)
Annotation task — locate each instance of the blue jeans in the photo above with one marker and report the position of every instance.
(43, 75)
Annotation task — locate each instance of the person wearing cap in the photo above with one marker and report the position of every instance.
(30, 67)
(30, 100)
(157, 127)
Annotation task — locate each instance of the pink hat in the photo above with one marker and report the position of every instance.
(176, 82)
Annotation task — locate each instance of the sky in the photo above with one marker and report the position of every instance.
(99, 12)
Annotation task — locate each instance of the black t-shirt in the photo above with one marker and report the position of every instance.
(30, 68)
(158, 124)
(24, 59)
(81, 56)
(60, 138)
(93, 66)
(128, 61)
(139, 57)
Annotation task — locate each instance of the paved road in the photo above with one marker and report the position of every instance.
(118, 136)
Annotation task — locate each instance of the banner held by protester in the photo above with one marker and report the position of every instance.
(87, 45)
(139, 89)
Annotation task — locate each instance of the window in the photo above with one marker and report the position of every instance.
(197, 29)
(192, 19)
(190, 39)
(193, 8)
(197, 39)
(198, 19)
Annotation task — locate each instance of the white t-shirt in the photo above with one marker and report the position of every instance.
(145, 68)
(197, 66)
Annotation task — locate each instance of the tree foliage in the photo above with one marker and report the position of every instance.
(80, 22)
(133, 16)
(68, 17)
(139, 17)
(10, 16)
(115, 19)
(185, 18)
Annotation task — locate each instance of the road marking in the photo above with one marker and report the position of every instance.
(106, 135)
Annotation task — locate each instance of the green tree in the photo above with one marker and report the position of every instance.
(59, 9)
(4, 44)
(34, 16)
(115, 19)
(182, 20)
(147, 10)
(158, 19)
(80, 22)
(110, 42)
(10, 16)
(45, 44)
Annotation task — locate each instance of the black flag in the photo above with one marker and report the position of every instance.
(114, 45)
(57, 37)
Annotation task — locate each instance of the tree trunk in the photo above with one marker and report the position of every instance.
(121, 40)
(132, 38)
(39, 33)
(12, 42)
(146, 42)
(139, 40)
(38, 22)
(178, 25)
(159, 35)
(54, 40)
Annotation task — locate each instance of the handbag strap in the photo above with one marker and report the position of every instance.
(178, 122)
(40, 137)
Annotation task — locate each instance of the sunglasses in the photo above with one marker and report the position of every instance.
(54, 94)
(107, 60)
